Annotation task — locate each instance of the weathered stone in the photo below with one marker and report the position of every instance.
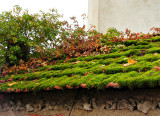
(6, 106)
(132, 101)
(1, 109)
(110, 105)
(93, 102)
(154, 105)
(144, 106)
(39, 106)
(124, 104)
(19, 106)
(53, 103)
(29, 108)
(48, 106)
(55, 108)
(67, 107)
(159, 104)
(131, 107)
(60, 107)
(79, 104)
(101, 104)
(84, 99)
(158, 98)
(13, 105)
(87, 107)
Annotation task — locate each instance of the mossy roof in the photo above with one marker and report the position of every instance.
(96, 70)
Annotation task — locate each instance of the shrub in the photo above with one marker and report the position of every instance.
(23, 34)
(112, 35)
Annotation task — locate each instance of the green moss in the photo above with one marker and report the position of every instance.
(154, 50)
(97, 71)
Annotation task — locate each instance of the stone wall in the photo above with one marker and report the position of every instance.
(137, 15)
(80, 102)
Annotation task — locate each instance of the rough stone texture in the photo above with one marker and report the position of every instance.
(48, 106)
(38, 106)
(133, 102)
(101, 104)
(139, 102)
(87, 107)
(19, 106)
(1, 109)
(159, 104)
(94, 104)
(6, 106)
(13, 105)
(29, 108)
(110, 104)
(145, 106)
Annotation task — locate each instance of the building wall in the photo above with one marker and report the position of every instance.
(93, 10)
(82, 102)
(136, 15)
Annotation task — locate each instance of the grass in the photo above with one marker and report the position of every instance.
(96, 71)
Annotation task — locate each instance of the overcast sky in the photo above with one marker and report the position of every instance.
(68, 8)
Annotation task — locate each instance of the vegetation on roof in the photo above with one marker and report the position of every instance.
(86, 59)
(132, 66)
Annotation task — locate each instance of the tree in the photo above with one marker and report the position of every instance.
(22, 33)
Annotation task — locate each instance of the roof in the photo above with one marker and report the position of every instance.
(131, 64)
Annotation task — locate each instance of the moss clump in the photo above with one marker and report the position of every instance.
(96, 71)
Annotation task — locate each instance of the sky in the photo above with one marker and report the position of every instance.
(68, 8)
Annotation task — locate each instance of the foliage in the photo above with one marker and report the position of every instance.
(112, 35)
(77, 42)
(23, 34)
(53, 54)
(99, 71)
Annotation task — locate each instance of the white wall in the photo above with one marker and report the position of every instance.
(137, 15)
(93, 8)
